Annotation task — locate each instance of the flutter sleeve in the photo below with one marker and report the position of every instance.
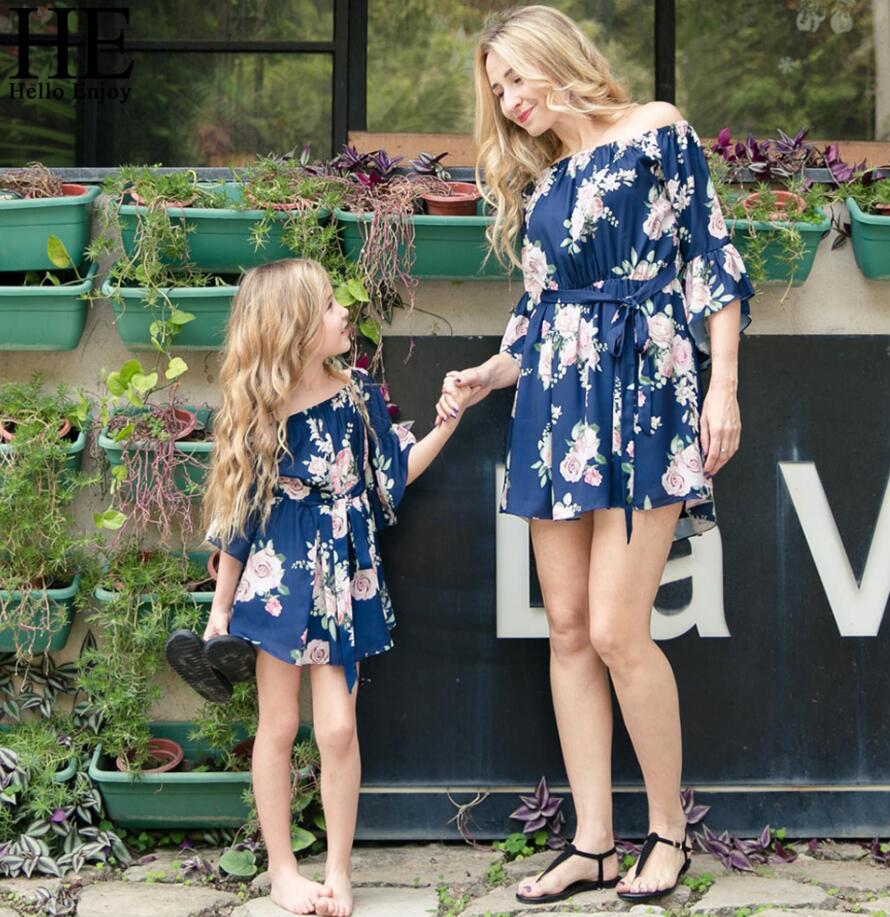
(388, 450)
(712, 269)
(239, 546)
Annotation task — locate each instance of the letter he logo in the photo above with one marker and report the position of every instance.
(93, 42)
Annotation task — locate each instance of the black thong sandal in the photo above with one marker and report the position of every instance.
(234, 657)
(185, 653)
(582, 885)
(648, 846)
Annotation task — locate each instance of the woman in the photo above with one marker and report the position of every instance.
(630, 283)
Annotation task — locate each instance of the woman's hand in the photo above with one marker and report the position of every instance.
(721, 426)
(217, 623)
(461, 389)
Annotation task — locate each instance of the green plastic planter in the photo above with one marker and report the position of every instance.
(871, 242)
(188, 477)
(204, 799)
(445, 248)
(199, 598)
(74, 452)
(219, 239)
(44, 318)
(26, 225)
(49, 639)
(776, 269)
(63, 775)
(209, 305)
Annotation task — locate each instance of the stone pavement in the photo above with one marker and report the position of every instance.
(439, 880)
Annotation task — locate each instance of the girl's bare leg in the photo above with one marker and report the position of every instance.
(278, 687)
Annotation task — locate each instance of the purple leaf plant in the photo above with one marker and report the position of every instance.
(542, 811)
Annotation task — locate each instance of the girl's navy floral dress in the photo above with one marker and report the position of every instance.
(625, 252)
(312, 589)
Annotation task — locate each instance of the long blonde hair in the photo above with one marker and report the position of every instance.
(275, 318)
(547, 49)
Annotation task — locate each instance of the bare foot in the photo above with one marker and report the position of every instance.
(659, 872)
(340, 902)
(296, 893)
(574, 869)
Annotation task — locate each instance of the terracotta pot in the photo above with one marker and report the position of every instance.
(782, 201)
(188, 420)
(8, 435)
(213, 564)
(244, 749)
(462, 202)
(167, 752)
(882, 209)
(141, 201)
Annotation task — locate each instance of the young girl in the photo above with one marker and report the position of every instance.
(307, 466)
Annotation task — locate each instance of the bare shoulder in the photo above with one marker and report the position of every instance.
(652, 115)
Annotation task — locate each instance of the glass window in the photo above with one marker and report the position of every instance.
(769, 65)
(222, 109)
(420, 56)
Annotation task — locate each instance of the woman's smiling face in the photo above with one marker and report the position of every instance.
(520, 103)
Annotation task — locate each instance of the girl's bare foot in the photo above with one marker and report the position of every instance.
(339, 904)
(296, 893)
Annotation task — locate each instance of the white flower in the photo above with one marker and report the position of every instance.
(732, 262)
(318, 467)
(567, 319)
(661, 329)
(516, 328)
(569, 353)
(644, 270)
(585, 340)
(534, 270)
(661, 218)
(545, 449)
(545, 363)
(564, 510)
(587, 444)
(698, 293)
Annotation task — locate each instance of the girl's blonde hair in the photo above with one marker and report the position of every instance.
(274, 323)
(545, 48)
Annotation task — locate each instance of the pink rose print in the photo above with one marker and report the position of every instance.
(664, 362)
(644, 270)
(732, 262)
(673, 481)
(343, 478)
(545, 363)
(716, 224)
(571, 467)
(698, 293)
(338, 519)
(568, 354)
(303, 637)
(264, 570)
(534, 270)
(273, 606)
(689, 465)
(317, 652)
(660, 219)
(616, 440)
(682, 354)
(585, 340)
(587, 444)
(567, 319)
(294, 488)
(516, 328)
(406, 437)
(593, 477)
(245, 591)
(318, 467)
(364, 584)
(661, 329)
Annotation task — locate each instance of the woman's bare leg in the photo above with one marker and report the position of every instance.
(278, 687)
(581, 698)
(623, 582)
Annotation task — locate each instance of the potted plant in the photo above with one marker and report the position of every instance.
(461, 198)
(37, 203)
(42, 566)
(45, 312)
(868, 203)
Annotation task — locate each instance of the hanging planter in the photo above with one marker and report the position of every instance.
(445, 248)
(46, 618)
(870, 233)
(177, 799)
(45, 317)
(218, 239)
(26, 224)
(210, 306)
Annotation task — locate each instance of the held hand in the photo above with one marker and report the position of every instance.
(218, 623)
(460, 390)
(721, 428)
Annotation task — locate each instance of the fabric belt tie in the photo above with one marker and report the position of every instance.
(627, 340)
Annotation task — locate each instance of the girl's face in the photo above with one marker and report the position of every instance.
(333, 336)
(523, 104)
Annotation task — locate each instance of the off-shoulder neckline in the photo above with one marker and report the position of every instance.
(621, 140)
(318, 404)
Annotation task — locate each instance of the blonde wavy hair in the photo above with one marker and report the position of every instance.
(546, 49)
(274, 323)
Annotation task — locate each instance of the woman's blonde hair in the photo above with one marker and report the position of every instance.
(545, 48)
(275, 320)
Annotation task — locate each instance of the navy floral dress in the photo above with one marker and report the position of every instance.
(312, 589)
(625, 252)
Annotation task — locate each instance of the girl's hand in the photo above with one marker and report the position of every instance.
(218, 623)
(461, 390)
(721, 427)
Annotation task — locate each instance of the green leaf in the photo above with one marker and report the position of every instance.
(371, 330)
(357, 290)
(124, 433)
(53, 279)
(31, 278)
(238, 863)
(541, 837)
(110, 519)
(344, 296)
(115, 384)
(144, 382)
(57, 253)
(319, 821)
(181, 318)
(119, 472)
(128, 370)
(175, 368)
(300, 838)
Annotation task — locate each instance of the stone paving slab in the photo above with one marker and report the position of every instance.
(842, 875)
(369, 902)
(503, 901)
(8, 912)
(730, 893)
(166, 865)
(841, 850)
(880, 904)
(115, 899)
(23, 887)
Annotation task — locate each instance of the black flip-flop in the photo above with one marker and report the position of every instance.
(582, 885)
(185, 653)
(233, 657)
